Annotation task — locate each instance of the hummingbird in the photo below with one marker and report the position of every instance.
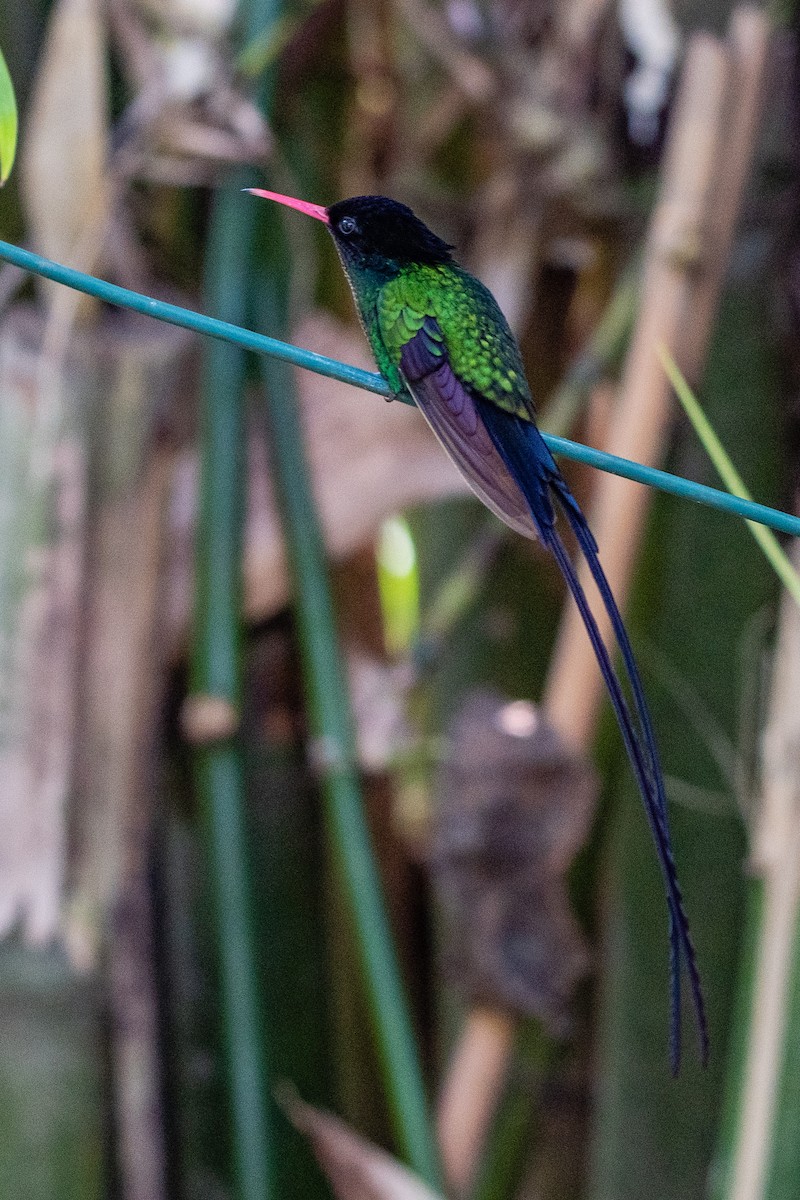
(439, 337)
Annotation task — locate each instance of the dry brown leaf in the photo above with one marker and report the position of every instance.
(75, 602)
(63, 165)
(42, 509)
(357, 1169)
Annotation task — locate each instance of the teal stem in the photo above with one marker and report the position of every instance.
(334, 755)
(217, 672)
(675, 485)
(186, 318)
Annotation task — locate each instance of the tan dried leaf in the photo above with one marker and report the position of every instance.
(63, 164)
(357, 1169)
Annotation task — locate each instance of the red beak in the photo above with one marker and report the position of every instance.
(303, 206)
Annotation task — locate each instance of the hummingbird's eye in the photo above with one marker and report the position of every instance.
(348, 225)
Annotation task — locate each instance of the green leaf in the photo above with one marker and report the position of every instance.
(398, 585)
(8, 122)
(729, 475)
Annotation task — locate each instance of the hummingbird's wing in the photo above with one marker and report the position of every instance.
(451, 410)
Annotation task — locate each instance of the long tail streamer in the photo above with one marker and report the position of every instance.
(533, 467)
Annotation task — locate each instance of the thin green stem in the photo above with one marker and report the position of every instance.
(676, 485)
(186, 318)
(772, 550)
(368, 381)
(687, 489)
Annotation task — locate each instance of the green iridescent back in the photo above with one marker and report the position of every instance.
(481, 348)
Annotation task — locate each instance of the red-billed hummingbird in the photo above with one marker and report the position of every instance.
(438, 334)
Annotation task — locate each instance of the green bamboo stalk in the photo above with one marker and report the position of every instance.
(369, 381)
(219, 780)
(334, 753)
(217, 677)
(218, 673)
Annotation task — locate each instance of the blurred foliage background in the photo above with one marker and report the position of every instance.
(307, 793)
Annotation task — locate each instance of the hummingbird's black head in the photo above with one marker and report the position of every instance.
(374, 231)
